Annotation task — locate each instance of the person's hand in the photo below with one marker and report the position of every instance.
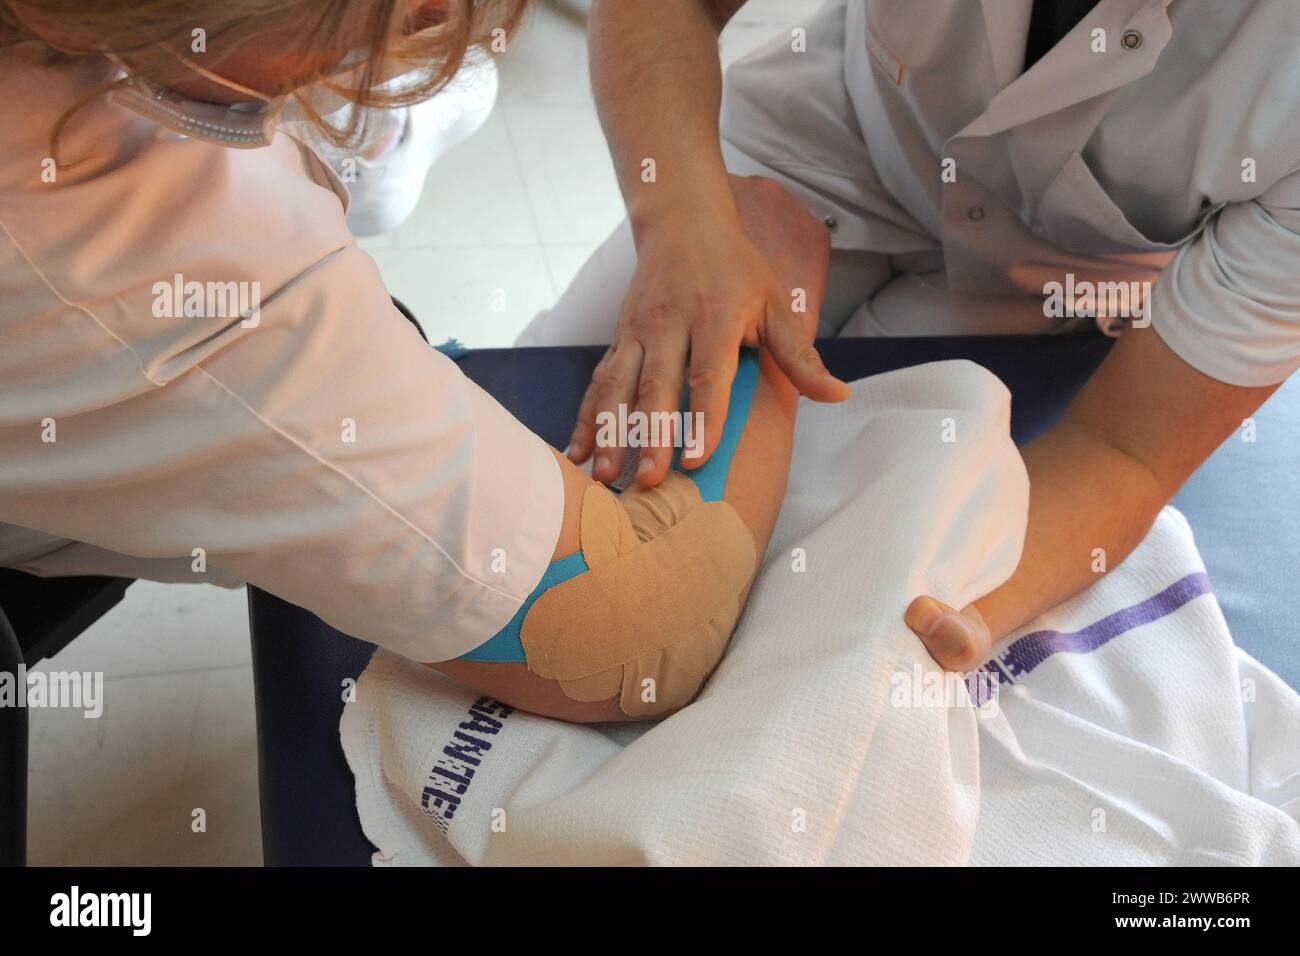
(704, 285)
(957, 640)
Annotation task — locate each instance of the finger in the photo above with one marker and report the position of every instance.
(583, 439)
(659, 394)
(957, 640)
(714, 357)
(615, 381)
(795, 355)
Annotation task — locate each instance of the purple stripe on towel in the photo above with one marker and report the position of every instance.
(1027, 652)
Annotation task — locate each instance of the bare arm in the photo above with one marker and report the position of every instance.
(1138, 429)
(658, 86)
(755, 486)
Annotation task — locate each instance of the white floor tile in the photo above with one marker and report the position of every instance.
(566, 167)
(163, 627)
(483, 296)
(546, 63)
(474, 196)
(114, 791)
(220, 777)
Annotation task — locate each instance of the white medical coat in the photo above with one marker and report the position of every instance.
(1157, 142)
(324, 453)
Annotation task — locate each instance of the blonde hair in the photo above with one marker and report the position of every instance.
(434, 39)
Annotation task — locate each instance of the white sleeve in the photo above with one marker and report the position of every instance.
(1229, 303)
(325, 454)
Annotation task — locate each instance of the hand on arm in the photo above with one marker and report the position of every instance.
(1138, 429)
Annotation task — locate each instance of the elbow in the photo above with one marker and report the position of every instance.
(636, 634)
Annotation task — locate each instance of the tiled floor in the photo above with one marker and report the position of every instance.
(505, 222)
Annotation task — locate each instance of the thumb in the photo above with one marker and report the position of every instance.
(957, 640)
(795, 355)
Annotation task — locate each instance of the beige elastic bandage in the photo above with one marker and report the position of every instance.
(650, 619)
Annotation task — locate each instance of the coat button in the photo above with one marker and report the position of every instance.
(831, 223)
(1131, 39)
(976, 213)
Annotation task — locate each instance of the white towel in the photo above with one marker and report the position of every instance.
(1140, 734)
(827, 735)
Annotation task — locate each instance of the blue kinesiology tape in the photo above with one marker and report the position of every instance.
(505, 646)
(711, 477)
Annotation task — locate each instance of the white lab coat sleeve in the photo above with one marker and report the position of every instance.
(323, 452)
(1229, 303)
(328, 456)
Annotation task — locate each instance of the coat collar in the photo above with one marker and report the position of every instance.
(1070, 73)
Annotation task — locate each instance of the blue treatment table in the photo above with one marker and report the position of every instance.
(1241, 505)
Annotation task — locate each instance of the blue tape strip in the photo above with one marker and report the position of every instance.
(711, 477)
(505, 646)
(453, 349)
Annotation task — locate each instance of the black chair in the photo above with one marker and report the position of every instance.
(13, 760)
(38, 618)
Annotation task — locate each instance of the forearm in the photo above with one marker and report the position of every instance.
(757, 477)
(1090, 504)
(658, 86)
(1141, 425)
(757, 480)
